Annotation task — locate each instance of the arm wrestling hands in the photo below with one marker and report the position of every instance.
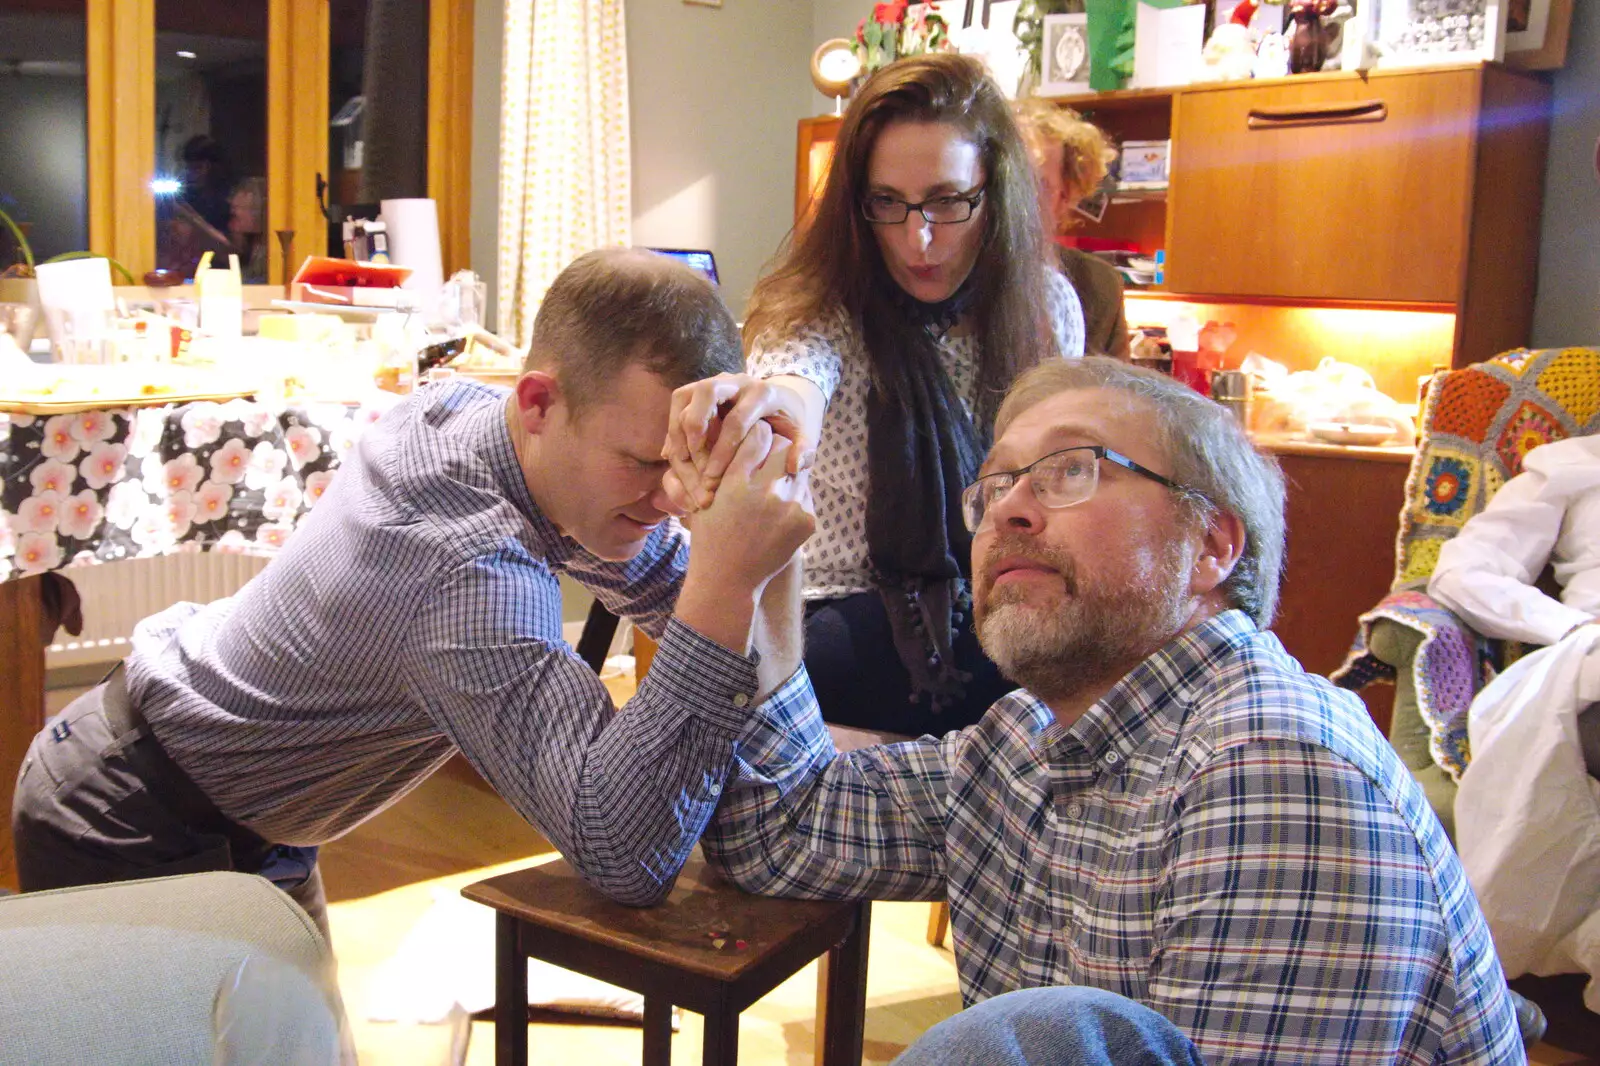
(710, 419)
(729, 437)
(743, 551)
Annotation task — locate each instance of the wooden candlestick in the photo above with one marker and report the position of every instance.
(286, 242)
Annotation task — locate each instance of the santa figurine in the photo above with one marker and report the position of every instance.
(1230, 52)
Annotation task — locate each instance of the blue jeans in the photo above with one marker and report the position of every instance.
(1066, 1025)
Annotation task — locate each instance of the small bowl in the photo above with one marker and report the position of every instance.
(1357, 433)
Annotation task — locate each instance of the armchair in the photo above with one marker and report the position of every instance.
(133, 972)
(1478, 423)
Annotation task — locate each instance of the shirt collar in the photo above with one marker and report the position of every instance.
(1119, 722)
(492, 437)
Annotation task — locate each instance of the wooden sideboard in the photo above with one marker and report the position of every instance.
(1343, 517)
(1419, 189)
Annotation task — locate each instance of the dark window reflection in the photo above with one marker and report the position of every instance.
(211, 134)
(44, 154)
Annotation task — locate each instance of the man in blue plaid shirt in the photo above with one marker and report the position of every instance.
(1171, 839)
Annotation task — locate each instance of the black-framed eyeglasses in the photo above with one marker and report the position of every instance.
(939, 210)
(1060, 479)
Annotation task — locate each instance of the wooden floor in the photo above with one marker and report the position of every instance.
(454, 822)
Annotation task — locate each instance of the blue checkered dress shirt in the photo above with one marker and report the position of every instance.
(418, 612)
(1223, 838)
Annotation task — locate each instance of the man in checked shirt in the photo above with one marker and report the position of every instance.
(418, 614)
(1172, 841)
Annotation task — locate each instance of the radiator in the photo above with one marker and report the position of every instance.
(116, 596)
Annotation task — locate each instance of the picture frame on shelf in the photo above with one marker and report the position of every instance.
(1537, 33)
(1419, 33)
(1093, 207)
(1064, 55)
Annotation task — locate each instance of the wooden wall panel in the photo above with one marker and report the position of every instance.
(297, 129)
(450, 127)
(122, 131)
(21, 682)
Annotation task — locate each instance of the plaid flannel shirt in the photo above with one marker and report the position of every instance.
(1222, 837)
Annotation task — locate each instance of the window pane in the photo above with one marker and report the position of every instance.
(347, 38)
(211, 134)
(378, 102)
(44, 154)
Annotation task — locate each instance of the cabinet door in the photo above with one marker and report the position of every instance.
(1335, 188)
(1343, 515)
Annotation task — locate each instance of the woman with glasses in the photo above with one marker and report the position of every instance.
(885, 336)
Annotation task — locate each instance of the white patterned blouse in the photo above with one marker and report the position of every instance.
(829, 354)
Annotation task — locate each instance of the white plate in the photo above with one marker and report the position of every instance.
(1350, 432)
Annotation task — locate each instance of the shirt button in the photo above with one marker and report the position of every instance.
(1075, 810)
(1111, 758)
(741, 700)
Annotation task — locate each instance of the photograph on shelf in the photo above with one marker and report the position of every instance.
(1093, 207)
(1413, 33)
(1064, 55)
(1537, 32)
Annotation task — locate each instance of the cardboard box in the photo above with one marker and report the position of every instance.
(354, 296)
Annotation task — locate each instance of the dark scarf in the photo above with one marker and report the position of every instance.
(922, 450)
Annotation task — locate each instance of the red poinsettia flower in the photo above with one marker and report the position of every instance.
(891, 13)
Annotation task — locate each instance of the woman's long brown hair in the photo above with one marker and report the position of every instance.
(834, 262)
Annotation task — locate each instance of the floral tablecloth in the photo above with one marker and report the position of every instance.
(122, 483)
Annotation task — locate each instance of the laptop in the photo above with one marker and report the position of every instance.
(700, 260)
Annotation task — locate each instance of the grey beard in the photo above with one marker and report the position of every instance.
(1095, 638)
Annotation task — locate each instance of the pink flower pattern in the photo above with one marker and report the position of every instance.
(182, 474)
(92, 427)
(118, 483)
(52, 475)
(304, 443)
(316, 485)
(283, 501)
(211, 502)
(229, 462)
(40, 513)
(80, 515)
(103, 465)
(38, 552)
(59, 443)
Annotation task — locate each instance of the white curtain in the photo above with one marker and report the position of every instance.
(565, 183)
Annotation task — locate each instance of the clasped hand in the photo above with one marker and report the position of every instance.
(711, 419)
(741, 477)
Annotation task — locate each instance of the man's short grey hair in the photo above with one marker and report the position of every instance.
(1209, 455)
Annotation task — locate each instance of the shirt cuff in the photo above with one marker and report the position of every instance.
(788, 726)
(693, 671)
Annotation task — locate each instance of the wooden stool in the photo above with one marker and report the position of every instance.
(709, 948)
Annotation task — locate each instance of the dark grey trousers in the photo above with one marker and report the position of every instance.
(98, 800)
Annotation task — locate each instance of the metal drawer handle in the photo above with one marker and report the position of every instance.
(1269, 118)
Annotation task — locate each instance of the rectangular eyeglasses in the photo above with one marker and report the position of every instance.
(1061, 479)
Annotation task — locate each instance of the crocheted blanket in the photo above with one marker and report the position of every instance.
(1477, 425)
(1446, 671)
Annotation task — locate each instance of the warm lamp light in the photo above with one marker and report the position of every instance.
(833, 67)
